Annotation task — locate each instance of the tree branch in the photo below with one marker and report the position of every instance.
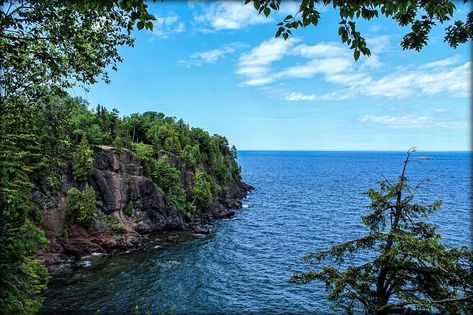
(449, 300)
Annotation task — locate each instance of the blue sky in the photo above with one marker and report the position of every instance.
(218, 66)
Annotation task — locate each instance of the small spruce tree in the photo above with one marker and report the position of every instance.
(411, 271)
(82, 160)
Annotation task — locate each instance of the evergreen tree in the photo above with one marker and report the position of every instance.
(82, 161)
(202, 189)
(82, 206)
(22, 278)
(411, 269)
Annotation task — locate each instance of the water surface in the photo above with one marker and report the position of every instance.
(303, 202)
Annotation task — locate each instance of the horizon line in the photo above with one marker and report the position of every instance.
(347, 150)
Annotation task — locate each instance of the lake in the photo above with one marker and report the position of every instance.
(303, 202)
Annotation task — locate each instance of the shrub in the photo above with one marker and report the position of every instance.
(202, 189)
(118, 227)
(128, 211)
(81, 206)
(82, 160)
(144, 153)
(168, 179)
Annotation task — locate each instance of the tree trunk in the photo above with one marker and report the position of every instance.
(381, 285)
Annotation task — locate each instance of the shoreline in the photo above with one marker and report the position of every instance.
(118, 180)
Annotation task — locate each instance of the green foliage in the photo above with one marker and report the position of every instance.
(65, 236)
(191, 154)
(107, 219)
(410, 266)
(118, 227)
(223, 166)
(202, 190)
(20, 240)
(420, 16)
(168, 179)
(128, 211)
(81, 206)
(47, 47)
(22, 278)
(82, 160)
(25, 298)
(59, 43)
(144, 153)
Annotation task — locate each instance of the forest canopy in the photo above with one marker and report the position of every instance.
(60, 130)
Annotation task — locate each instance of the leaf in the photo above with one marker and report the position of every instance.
(266, 11)
(140, 25)
(356, 54)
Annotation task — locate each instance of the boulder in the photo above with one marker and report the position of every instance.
(201, 229)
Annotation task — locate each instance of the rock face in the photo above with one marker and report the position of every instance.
(118, 181)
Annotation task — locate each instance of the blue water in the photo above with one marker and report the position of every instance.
(303, 202)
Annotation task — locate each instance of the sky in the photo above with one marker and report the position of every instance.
(218, 66)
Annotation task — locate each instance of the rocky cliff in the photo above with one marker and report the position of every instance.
(119, 182)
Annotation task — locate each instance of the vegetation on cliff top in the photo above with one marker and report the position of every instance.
(59, 131)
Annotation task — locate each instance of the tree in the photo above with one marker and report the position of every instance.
(22, 278)
(82, 206)
(419, 15)
(82, 160)
(202, 189)
(410, 267)
(144, 153)
(191, 154)
(55, 43)
(168, 178)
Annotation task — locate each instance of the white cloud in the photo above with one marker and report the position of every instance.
(320, 50)
(408, 121)
(442, 63)
(166, 25)
(296, 96)
(318, 66)
(415, 121)
(378, 44)
(334, 63)
(289, 7)
(267, 52)
(454, 125)
(255, 65)
(227, 15)
(211, 56)
(454, 81)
